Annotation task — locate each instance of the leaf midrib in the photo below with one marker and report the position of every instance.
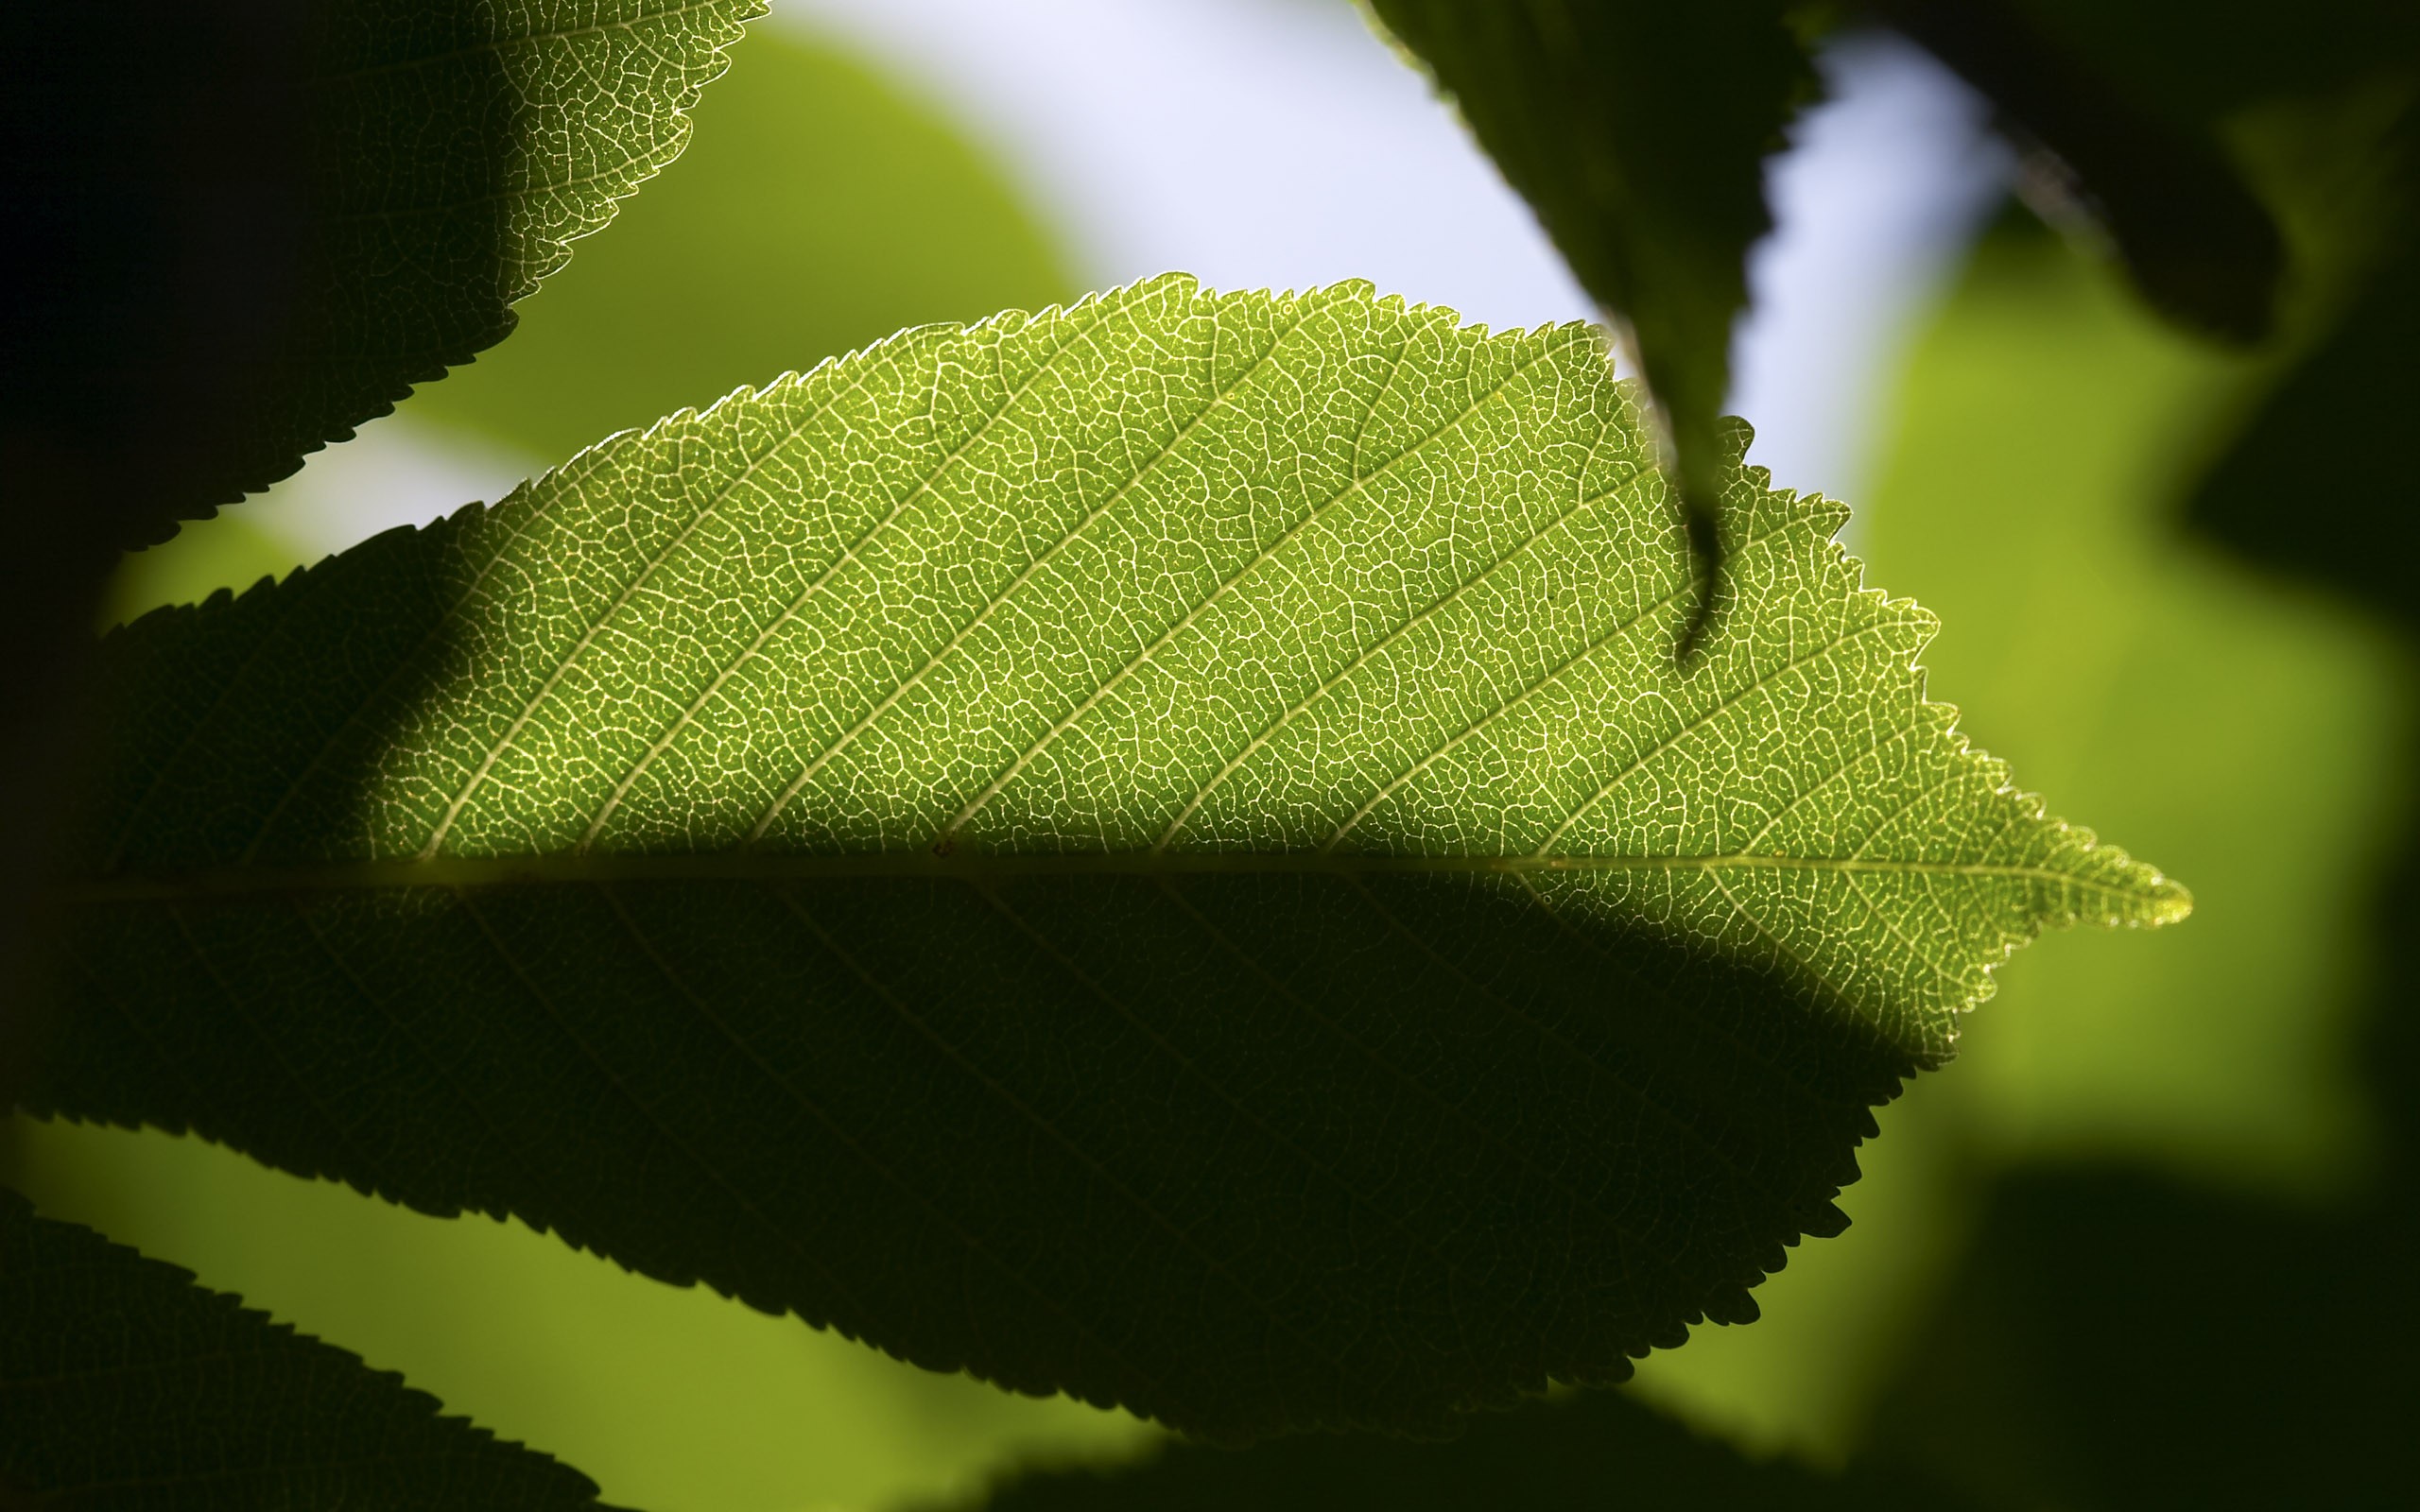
(967, 866)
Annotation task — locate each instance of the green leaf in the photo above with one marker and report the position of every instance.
(2199, 247)
(669, 1398)
(2283, 705)
(1596, 1448)
(886, 215)
(1156, 850)
(809, 173)
(124, 1384)
(2298, 489)
(1637, 130)
(450, 154)
(2090, 1349)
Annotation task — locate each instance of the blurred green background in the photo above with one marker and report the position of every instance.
(2249, 737)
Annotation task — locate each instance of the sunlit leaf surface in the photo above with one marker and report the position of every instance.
(1638, 131)
(1157, 849)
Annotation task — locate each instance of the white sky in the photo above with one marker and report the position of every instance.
(1278, 142)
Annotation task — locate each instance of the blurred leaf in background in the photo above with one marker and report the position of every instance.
(2319, 103)
(672, 1398)
(1576, 1449)
(2118, 1339)
(817, 207)
(2046, 429)
(2185, 1288)
(2299, 487)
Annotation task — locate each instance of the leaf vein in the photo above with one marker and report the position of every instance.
(724, 674)
(890, 699)
(1288, 538)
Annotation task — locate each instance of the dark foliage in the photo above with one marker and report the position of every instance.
(1594, 1449)
(125, 1386)
(1638, 131)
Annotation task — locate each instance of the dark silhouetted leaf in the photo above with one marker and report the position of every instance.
(2199, 61)
(1638, 131)
(2306, 487)
(811, 173)
(1596, 1448)
(243, 227)
(124, 1385)
(1156, 849)
(2199, 246)
(2115, 1340)
(401, 173)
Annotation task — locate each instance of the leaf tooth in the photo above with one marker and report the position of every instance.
(1830, 1221)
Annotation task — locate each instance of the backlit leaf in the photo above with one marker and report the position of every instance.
(1156, 850)
(1637, 130)
(448, 155)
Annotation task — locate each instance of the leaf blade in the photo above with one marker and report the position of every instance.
(1637, 132)
(1123, 804)
(455, 153)
(123, 1384)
